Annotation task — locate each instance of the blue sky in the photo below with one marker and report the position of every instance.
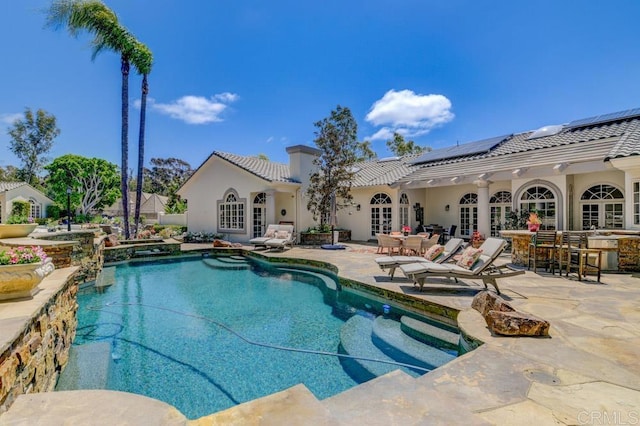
(251, 77)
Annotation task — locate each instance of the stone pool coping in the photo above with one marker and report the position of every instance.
(587, 369)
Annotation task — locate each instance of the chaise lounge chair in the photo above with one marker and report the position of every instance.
(483, 269)
(284, 237)
(393, 262)
(269, 234)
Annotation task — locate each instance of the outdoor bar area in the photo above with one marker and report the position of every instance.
(620, 248)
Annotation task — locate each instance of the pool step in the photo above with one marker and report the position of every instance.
(355, 340)
(293, 406)
(216, 263)
(389, 338)
(87, 368)
(429, 334)
(231, 259)
(106, 278)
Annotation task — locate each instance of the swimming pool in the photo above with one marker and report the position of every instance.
(179, 332)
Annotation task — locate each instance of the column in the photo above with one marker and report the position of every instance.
(484, 212)
(271, 206)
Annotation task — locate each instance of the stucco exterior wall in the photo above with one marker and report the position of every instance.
(582, 182)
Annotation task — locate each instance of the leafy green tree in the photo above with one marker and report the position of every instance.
(400, 147)
(364, 151)
(336, 139)
(9, 174)
(97, 19)
(31, 139)
(94, 182)
(166, 175)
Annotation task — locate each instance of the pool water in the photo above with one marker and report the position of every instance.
(164, 326)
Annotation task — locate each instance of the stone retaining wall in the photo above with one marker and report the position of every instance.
(629, 254)
(319, 238)
(33, 360)
(87, 252)
(146, 249)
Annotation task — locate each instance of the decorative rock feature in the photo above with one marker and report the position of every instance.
(505, 320)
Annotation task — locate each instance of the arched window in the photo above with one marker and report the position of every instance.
(500, 205)
(468, 214)
(380, 214)
(542, 200)
(259, 214)
(404, 210)
(36, 209)
(231, 212)
(602, 206)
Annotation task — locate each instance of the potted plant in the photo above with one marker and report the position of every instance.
(476, 239)
(534, 222)
(19, 224)
(21, 270)
(406, 229)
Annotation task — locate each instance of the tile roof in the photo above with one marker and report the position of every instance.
(7, 186)
(265, 169)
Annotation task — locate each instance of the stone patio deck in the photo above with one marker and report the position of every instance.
(587, 372)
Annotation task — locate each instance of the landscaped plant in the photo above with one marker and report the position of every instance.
(201, 237)
(22, 255)
(20, 212)
(533, 219)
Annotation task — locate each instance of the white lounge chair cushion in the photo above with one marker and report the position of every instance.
(394, 260)
(259, 240)
(439, 268)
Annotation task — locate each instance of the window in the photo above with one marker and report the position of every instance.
(35, 209)
(380, 214)
(602, 207)
(636, 203)
(404, 210)
(542, 200)
(500, 205)
(468, 214)
(231, 213)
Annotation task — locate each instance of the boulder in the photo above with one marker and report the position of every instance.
(111, 240)
(505, 320)
(486, 301)
(516, 324)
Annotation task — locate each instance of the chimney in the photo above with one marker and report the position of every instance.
(301, 161)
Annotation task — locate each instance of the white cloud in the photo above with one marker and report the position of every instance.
(195, 109)
(408, 113)
(10, 118)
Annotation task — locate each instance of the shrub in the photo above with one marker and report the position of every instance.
(53, 211)
(202, 237)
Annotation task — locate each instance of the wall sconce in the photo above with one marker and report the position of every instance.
(446, 208)
(358, 207)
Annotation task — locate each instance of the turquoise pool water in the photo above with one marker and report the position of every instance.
(164, 323)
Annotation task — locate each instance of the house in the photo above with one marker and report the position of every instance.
(12, 191)
(581, 174)
(151, 205)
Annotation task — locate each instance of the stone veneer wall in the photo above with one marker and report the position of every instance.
(87, 252)
(319, 238)
(33, 361)
(144, 249)
(629, 254)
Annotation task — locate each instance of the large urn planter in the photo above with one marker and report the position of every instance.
(21, 281)
(16, 230)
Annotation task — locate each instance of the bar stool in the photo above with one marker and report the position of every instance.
(543, 247)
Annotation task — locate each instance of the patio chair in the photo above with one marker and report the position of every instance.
(543, 247)
(483, 268)
(268, 234)
(412, 245)
(392, 245)
(574, 253)
(450, 233)
(393, 262)
(284, 237)
(429, 242)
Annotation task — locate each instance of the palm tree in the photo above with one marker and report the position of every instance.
(142, 60)
(96, 18)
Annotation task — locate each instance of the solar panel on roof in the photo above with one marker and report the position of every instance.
(470, 148)
(605, 118)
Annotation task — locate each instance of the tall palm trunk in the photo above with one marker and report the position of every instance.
(143, 114)
(124, 186)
